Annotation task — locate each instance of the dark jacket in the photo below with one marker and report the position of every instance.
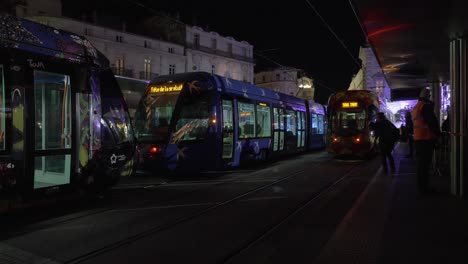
(385, 132)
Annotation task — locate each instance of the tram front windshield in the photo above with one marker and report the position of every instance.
(349, 120)
(154, 115)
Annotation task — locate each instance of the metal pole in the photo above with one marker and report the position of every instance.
(454, 110)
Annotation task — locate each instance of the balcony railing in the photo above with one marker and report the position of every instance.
(148, 75)
(122, 72)
(219, 52)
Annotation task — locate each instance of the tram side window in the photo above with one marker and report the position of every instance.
(114, 109)
(314, 127)
(2, 110)
(320, 124)
(192, 123)
(246, 120)
(52, 104)
(291, 123)
(263, 125)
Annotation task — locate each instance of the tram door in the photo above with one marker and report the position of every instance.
(228, 130)
(52, 129)
(278, 129)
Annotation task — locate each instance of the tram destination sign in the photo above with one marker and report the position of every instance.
(349, 104)
(165, 88)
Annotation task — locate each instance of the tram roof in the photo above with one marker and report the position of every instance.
(234, 87)
(27, 35)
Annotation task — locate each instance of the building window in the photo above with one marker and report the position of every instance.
(277, 76)
(119, 66)
(171, 50)
(244, 52)
(263, 78)
(147, 69)
(213, 69)
(196, 40)
(213, 43)
(171, 68)
(230, 48)
(118, 38)
(147, 44)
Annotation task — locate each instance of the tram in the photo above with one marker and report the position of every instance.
(350, 115)
(202, 121)
(63, 121)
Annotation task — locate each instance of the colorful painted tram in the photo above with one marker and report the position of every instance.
(350, 115)
(63, 121)
(201, 121)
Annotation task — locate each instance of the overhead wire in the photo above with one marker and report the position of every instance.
(334, 34)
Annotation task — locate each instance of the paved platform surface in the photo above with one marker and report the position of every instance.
(392, 223)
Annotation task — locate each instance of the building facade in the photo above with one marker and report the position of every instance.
(161, 45)
(288, 81)
(370, 76)
(225, 56)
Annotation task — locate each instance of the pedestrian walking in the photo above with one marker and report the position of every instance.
(426, 132)
(410, 134)
(387, 134)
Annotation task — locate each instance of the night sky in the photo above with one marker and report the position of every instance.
(288, 33)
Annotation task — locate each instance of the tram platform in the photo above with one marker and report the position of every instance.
(392, 223)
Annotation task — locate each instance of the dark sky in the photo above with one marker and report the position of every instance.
(289, 33)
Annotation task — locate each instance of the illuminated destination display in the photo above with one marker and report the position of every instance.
(349, 104)
(165, 88)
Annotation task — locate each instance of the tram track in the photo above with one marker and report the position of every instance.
(48, 223)
(165, 226)
(323, 191)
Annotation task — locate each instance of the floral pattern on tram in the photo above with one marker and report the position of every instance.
(67, 46)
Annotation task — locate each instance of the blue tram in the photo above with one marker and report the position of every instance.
(202, 121)
(63, 121)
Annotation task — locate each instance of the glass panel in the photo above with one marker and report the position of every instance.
(291, 125)
(275, 141)
(246, 120)
(303, 139)
(276, 118)
(314, 127)
(228, 130)
(299, 137)
(2, 110)
(281, 119)
(349, 120)
(192, 123)
(263, 126)
(281, 140)
(52, 111)
(320, 124)
(114, 109)
(154, 115)
(51, 171)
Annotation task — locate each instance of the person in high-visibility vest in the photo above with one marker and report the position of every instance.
(425, 134)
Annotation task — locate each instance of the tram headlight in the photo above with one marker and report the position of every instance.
(154, 150)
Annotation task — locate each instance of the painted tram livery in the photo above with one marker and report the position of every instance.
(63, 121)
(202, 121)
(350, 115)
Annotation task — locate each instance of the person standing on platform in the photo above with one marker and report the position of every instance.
(385, 133)
(426, 133)
(409, 129)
